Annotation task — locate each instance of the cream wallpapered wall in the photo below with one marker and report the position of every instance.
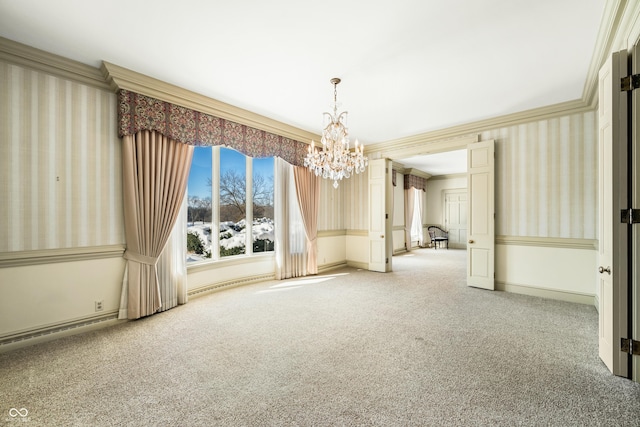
(61, 171)
(546, 177)
(356, 204)
(331, 206)
(60, 163)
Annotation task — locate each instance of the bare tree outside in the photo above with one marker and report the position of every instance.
(198, 209)
(233, 196)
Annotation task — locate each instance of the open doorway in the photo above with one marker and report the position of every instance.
(445, 197)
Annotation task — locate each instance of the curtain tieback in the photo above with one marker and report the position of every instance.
(142, 259)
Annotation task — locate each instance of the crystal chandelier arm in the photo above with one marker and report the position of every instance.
(335, 160)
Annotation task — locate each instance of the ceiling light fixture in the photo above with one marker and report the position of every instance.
(335, 160)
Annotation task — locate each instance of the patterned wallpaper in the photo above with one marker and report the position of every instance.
(330, 215)
(356, 202)
(547, 177)
(60, 172)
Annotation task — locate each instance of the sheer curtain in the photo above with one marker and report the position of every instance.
(155, 173)
(291, 241)
(409, 203)
(172, 265)
(308, 191)
(416, 225)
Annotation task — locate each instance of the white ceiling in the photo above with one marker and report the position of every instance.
(445, 163)
(407, 66)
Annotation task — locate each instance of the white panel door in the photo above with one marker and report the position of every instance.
(635, 179)
(612, 188)
(380, 239)
(480, 226)
(455, 217)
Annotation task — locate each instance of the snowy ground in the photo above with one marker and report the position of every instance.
(231, 234)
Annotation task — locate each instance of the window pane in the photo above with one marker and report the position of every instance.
(263, 234)
(199, 206)
(233, 202)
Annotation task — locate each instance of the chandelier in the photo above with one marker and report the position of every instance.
(335, 160)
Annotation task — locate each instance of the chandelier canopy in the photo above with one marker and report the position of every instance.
(335, 160)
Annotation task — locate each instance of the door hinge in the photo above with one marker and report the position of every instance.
(630, 216)
(630, 83)
(630, 346)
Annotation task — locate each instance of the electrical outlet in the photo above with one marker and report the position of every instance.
(99, 305)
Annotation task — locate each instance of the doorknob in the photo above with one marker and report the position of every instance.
(382, 236)
(470, 241)
(601, 269)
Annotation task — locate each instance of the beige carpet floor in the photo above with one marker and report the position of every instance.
(415, 347)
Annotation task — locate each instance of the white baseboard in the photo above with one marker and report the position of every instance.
(331, 266)
(555, 294)
(358, 264)
(214, 287)
(55, 331)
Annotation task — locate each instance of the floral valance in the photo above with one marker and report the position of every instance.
(417, 182)
(138, 112)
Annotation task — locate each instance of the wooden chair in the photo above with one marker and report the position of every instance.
(438, 236)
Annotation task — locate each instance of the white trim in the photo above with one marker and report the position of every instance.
(449, 176)
(548, 242)
(331, 233)
(331, 266)
(206, 265)
(50, 256)
(361, 233)
(39, 334)
(358, 264)
(215, 287)
(555, 294)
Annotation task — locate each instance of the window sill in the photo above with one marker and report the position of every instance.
(229, 261)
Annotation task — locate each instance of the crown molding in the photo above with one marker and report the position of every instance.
(416, 172)
(458, 137)
(612, 17)
(397, 166)
(449, 176)
(40, 60)
(122, 78)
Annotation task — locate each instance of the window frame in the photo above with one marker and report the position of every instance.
(215, 215)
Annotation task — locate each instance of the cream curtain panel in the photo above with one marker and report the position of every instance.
(291, 239)
(155, 174)
(308, 191)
